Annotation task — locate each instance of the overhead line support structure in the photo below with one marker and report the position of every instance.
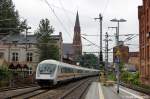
(100, 61)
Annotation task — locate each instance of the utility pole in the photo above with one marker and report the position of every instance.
(84, 58)
(118, 52)
(106, 51)
(100, 61)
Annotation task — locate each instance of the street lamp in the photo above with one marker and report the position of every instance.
(118, 21)
(117, 41)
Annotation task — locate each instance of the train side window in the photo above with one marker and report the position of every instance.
(62, 71)
(59, 68)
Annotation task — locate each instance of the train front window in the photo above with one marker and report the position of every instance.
(47, 68)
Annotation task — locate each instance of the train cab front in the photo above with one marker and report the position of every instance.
(45, 83)
(45, 75)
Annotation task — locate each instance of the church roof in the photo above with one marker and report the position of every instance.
(68, 49)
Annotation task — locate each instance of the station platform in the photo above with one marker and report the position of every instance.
(99, 91)
(95, 91)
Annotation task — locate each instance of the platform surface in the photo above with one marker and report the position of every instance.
(95, 91)
(98, 91)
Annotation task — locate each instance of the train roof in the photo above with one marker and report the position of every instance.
(66, 65)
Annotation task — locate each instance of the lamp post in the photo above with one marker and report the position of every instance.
(117, 42)
(118, 21)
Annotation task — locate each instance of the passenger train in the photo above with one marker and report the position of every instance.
(51, 72)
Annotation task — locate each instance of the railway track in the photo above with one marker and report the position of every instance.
(78, 91)
(30, 94)
(139, 89)
(9, 94)
(15, 88)
(73, 90)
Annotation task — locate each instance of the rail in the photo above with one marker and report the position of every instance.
(66, 94)
(137, 88)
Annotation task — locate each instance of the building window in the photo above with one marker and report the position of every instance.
(149, 70)
(1, 55)
(29, 57)
(143, 55)
(30, 71)
(14, 56)
(147, 52)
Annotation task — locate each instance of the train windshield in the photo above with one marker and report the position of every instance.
(47, 68)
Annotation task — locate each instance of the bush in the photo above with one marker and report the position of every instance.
(131, 78)
(5, 76)
(5, 73)
(111, 76)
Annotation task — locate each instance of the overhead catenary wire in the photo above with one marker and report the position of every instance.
(90, 41)
(58, 18)
(105, 7)
(130, 38)
(68, 18)
(110, 35)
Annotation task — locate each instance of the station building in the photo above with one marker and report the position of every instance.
(20, 52)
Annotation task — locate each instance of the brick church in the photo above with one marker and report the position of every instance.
(72, 51)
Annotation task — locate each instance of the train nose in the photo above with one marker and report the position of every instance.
(45, 83)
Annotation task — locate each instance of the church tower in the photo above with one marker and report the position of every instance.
(77, 43)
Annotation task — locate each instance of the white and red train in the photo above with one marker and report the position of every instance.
(51, 72)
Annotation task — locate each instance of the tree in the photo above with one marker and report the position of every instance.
(89, 60)
(9, 18)
(46, 45)
(5, 73)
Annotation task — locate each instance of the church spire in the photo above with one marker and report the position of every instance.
(77, 24)
(77, 43)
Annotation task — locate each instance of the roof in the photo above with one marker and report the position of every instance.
(21, 38)
(68, 49)
(133, 54)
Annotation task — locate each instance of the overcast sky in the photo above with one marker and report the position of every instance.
(34, 10)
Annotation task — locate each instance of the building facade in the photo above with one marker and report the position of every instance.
(144, 41)
(124, 53)
(134, 59)
(22, 51)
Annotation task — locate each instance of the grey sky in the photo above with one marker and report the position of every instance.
(34, 10)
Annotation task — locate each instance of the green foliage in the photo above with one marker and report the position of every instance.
(9, 18)
(5, 74)
(89, 60)
(111, 76)
(46, 45)
(121, 66)
(129, 77)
